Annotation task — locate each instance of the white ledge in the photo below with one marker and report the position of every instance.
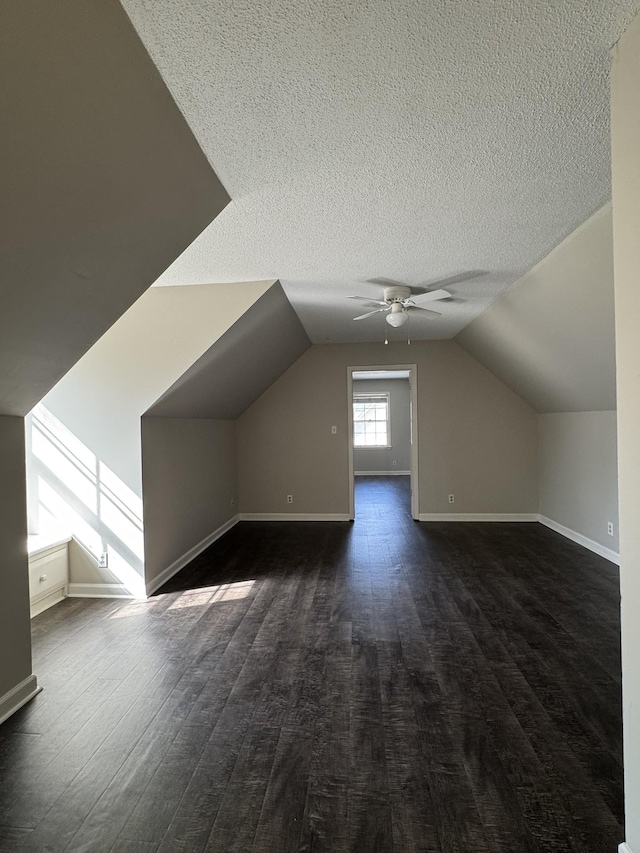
(38, 543)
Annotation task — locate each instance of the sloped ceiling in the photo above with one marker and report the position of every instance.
(409, 140)
(102, 398)
(241, 365)
(102, 185)
(551, 338)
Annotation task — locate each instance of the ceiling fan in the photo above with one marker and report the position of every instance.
(398, 300)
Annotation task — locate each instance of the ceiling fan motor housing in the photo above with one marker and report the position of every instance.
(396, 293)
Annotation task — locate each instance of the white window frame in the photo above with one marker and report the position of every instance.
(382, 395)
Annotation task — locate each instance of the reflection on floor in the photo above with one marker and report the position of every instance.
(379, 686)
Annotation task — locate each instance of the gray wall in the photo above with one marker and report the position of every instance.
(101, 400)
(477, 439)
(551, 337)
(232, 373)
(578, 474)
(15, 628)
(103, 186)
(625, 151)
(190, 485)
(398, 456)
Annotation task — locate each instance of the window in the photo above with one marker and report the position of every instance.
(371, 420)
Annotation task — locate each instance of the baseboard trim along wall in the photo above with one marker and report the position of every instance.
(18, 696)
(478, 516)
(624, 848)
(295, 516)
(189, 555)
(591, 544)
(100, 590)
(578, 538)
(43, 602)
(393, 473)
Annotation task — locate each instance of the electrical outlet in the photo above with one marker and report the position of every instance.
(334, 430)
(394, 463)
(610, 528)
(451, 499)
(289, 499)
(103, 561)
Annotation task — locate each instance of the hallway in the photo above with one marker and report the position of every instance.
(379, 686)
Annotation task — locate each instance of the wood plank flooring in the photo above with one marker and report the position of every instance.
(329, 687)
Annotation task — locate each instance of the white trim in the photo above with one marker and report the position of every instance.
(38, 544)
(394, 473)
(295, 516)
(578, 538)
(624, 848)
(596, 547)
(478, 516)
(100, 590)
(39, 603)
(18, 696)
(359, 447)
(189, 555)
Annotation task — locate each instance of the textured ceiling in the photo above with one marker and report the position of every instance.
(413, 140)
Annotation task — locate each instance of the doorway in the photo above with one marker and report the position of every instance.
(383, 426)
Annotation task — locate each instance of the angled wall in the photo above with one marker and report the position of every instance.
(551, 338)
(103, 185)
(87, 452)
(189, 455)
(625, 143)
(240, 365)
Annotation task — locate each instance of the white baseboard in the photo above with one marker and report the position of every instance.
(43, 602)
(100, 590)
(624, 848)
(18, 696)
(393, 473)
(295, 516)
(592, 545)
(578, 538)
(478, 516)
(186, 558)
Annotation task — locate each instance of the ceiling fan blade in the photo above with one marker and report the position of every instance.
(425, 310)
(451, 279)
(371, 313)
(387, 282)
(431, 296)
(368, 299)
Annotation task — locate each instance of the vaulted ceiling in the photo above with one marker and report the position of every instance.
(412, 141)
(102, 185)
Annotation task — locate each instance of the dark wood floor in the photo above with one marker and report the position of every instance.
(382, 686)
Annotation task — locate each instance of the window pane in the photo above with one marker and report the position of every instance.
(371, 421)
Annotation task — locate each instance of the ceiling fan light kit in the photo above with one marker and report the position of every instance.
(398, 316)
